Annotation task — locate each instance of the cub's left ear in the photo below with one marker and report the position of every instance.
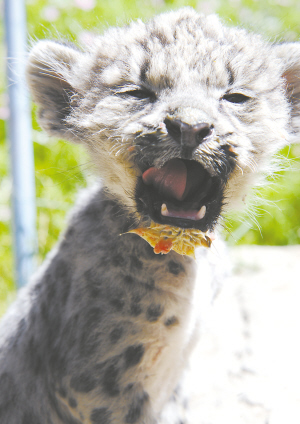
(290, 54)
(53, 76)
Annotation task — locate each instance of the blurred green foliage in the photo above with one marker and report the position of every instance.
(62, 169)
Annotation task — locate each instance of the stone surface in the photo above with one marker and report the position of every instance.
(249, 372)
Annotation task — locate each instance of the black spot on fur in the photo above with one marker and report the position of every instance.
(175, 267)
(128, 279)
(136, 409)
(133, 355)
(118, 303)
(110, 381)
(72, 402)
(171, 321)
(62, 414)
(83, 383)
(150, 284)
(100, 416)
(62, 392)
(230, 74)
(154, 312)
(129, 387)
(134, 413)
(160, 36)
(144, 43)
(116, 334)
(135, 309)
(144, 70)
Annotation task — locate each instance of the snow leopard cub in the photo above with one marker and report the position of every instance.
(180, 115)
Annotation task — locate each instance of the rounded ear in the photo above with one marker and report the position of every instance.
(290, 55)
(51, 78)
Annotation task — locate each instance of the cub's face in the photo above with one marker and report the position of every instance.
(179, 114)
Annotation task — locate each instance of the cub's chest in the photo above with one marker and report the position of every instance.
(170, 328)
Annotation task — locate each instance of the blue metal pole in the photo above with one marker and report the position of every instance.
(21, 147)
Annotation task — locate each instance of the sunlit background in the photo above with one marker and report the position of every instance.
(62, 169)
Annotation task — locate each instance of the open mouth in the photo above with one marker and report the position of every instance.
(182, 193)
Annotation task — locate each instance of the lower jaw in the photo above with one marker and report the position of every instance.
(193, 215)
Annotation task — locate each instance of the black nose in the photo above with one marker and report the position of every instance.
(188, 135)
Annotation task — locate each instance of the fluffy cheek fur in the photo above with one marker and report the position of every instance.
(118, 174)
(112, 131)
(259, 133)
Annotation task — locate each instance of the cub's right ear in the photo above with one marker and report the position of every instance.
(52, 75)
(289, 53)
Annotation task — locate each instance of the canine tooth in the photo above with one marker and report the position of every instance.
(164, 210)
(201, 213)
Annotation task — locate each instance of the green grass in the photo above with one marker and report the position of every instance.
(62, 169)
(275, 219)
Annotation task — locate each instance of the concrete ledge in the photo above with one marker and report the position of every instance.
(248, 360)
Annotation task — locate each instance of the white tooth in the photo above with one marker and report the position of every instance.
(164, 210)
(201, 213)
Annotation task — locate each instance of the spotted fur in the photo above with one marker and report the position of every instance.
(103, 333)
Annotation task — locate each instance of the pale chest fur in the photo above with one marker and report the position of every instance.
(168, 340)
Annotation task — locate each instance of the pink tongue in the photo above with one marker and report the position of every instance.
(169, 180)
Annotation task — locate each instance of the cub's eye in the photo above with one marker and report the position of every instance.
(142, 94)
(236, 98)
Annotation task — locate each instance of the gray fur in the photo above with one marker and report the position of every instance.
(104, 332)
